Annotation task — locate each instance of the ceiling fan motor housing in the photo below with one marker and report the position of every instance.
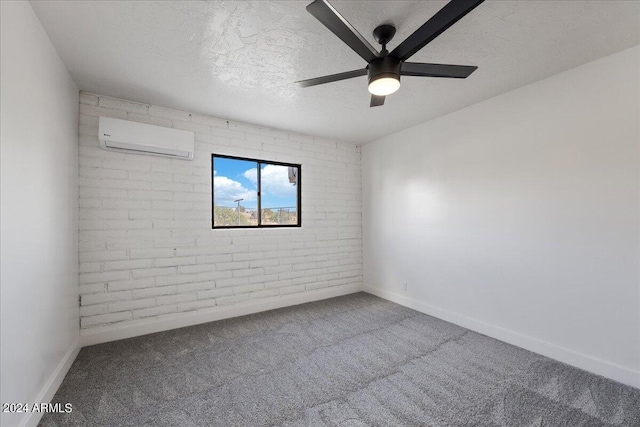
(387, 66)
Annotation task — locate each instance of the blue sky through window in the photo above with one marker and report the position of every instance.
(237, 179)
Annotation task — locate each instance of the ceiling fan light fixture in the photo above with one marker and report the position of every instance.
(384, 68)
(384, 76)
(383, 85)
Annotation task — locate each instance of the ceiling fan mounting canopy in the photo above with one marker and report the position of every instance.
(384, 33)
(385, 68)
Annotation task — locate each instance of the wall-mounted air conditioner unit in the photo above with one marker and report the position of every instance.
(140, 138)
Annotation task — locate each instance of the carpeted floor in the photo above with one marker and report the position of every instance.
(352, 361)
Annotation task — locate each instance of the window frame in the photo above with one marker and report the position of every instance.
(259, 193)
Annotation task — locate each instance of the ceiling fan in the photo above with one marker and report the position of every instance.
(385, 68)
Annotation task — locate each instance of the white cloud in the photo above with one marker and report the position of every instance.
(226, 190)
(274, 180)
(251, 175)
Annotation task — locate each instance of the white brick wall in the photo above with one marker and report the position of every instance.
(147, 250)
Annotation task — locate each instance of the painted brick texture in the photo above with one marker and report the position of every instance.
(147, 251)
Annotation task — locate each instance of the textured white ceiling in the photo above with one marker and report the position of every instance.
(238, 60)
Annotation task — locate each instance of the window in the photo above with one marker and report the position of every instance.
(254, 193)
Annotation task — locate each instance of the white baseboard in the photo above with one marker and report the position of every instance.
(553, 351)
(102, 335)
(49, 390)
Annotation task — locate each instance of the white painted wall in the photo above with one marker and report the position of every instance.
(39, 175)
(149, 259)
(519, 216)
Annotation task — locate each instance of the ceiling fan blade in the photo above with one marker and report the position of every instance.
(376, 101)
(329, 16)
(446, 17)
(437, 70)
(332, 78)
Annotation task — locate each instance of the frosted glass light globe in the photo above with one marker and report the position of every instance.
(384, 86)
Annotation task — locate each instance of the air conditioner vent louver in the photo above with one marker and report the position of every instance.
(141, 138)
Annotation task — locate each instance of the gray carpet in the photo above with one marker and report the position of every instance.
(352, 361)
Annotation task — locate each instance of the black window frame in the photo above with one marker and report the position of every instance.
(259, 195)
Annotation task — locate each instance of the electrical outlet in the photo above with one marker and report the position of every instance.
(404, 286)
